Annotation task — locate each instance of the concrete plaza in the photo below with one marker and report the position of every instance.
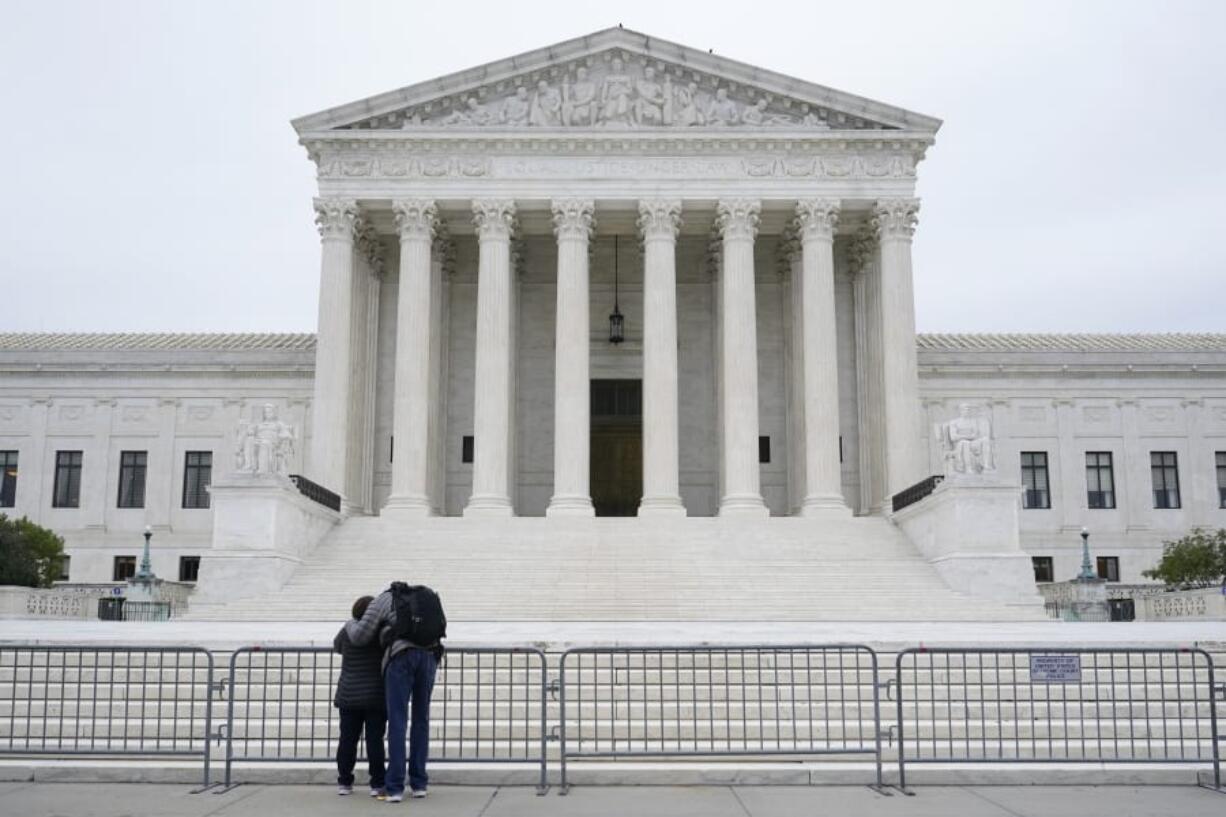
(133, 800)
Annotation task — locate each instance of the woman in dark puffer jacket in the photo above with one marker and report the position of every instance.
(359, 697)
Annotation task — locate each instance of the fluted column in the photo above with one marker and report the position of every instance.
(416, 221)
(894, 220)
(659, 220)
(573, 224)
(491, 495)
(816, 220)
(792, 263)
(335, 218)
(737, 220)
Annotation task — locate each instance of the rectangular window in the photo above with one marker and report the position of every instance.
(1164, 466)
(1044, 570)
(1034, 480)
(125, 568)
(1221, 479)
(67, 492)
(466, 448)
(764, 449)
(132, 479)
(189, 568)
(197, 475)
(8, 478)
(65, 563)
(1100, 480)
(1109, 568)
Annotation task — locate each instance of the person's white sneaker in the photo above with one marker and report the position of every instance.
(418, 794)
(343, 790)
(394, 798)
(377, 792)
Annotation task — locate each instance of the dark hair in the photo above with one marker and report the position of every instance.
(359, 606)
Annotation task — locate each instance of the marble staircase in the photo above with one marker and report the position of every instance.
(699, 569)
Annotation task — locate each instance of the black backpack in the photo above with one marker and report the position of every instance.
(419, 614)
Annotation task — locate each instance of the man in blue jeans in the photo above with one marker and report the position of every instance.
(408, 677)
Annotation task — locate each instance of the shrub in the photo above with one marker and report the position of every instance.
(30, 555)
(1196, 560)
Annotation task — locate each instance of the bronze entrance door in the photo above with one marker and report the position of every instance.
(617, 447)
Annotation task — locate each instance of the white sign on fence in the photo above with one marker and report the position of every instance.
(1055, 669)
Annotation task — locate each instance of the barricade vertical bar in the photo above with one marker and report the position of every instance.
(902, 724)
(562, 687)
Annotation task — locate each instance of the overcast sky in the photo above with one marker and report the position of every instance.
(151, 180)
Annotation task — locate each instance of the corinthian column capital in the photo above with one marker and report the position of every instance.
(738, 218)
(860, 250)
(895, 218)
(415, 218)
(336, 217)
(659, 218)
(574, 218)
(494, 218)
(817, 218)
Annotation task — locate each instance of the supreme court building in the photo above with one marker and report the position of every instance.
(618, 277)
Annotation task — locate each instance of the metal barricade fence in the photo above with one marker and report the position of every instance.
(488, 706)
(1056, 705)
(106, 701)
(746, 701)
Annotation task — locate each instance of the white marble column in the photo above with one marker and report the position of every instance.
(790, 256)
(816, 220)
(492, 410)
(659, 220)
(573, 224)
(416, 220)
(737, 220)
(894, 220)
(335, 218)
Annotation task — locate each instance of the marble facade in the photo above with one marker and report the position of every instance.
(467, 232)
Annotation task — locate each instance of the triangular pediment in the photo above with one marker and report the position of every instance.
(613, 80)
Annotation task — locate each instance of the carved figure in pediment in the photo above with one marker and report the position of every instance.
(546, 107)
(722, 110)
(685, 106)
(473, 113)
(579, 101)
(616, 96)
(515, 109)
(755, 114)
(649, 106)
(810, 119)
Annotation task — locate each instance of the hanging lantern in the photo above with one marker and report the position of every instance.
(617, 323)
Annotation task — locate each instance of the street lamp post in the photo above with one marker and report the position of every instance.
(1087, 571)
(146, 568)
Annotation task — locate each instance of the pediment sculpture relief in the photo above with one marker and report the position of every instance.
(616, 93)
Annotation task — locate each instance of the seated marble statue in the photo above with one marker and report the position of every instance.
(966, 442)
(265, 446)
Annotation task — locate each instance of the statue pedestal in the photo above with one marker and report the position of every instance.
(262, 529)
(969, 530)
(1089, 601)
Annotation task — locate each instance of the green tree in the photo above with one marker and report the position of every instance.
(1196, 560)
(30, 555)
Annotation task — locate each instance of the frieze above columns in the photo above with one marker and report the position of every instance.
(389, 160)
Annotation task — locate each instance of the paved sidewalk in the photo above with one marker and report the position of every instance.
(134, 800)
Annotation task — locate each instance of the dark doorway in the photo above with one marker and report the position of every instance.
(617, 447)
